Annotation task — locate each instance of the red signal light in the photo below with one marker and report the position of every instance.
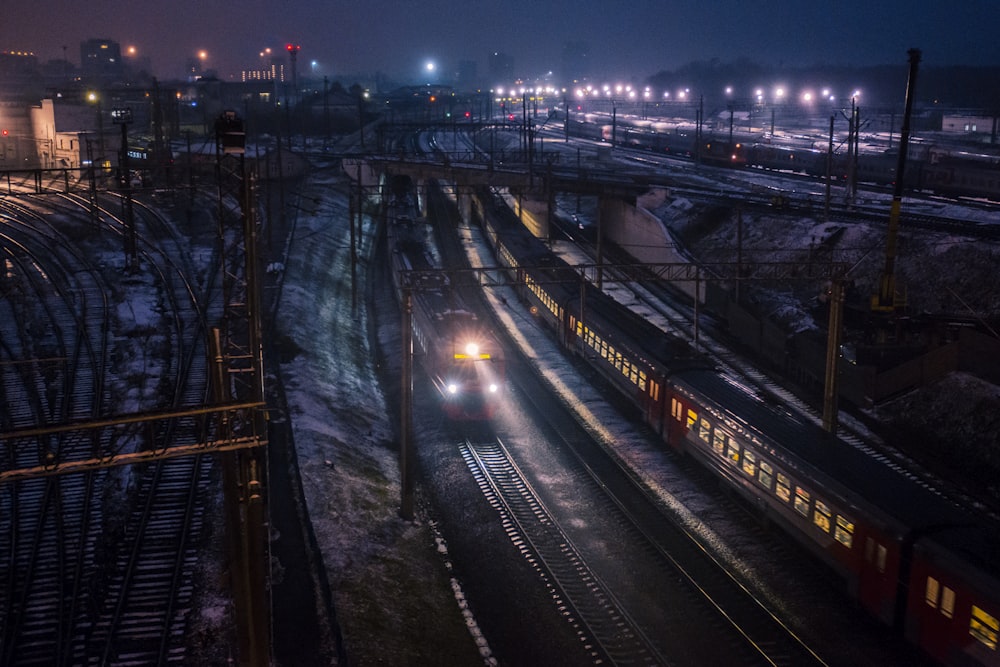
(468, 114)
(4, 132)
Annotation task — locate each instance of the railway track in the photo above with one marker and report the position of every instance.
(579, 594)
(713, 617)
(99, 565)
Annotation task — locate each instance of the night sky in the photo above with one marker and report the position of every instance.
(397, 37)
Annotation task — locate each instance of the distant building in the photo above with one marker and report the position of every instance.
(101, 60)
(21, 78)
(969, 124)
(17, 66)
(271, 68)
(65, 147)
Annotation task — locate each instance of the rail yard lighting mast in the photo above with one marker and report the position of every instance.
(887, 301)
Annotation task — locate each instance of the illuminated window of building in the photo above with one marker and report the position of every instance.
(719, 442)
(704, 429)
(984, 627)
(844, 532)
(821, 516)
(749, 463)
(802, 501)
(783, 487)
(766, 474)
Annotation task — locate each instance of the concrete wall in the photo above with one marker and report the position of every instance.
(534, 213)
(641, 234)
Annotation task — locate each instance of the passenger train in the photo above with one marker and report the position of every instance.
(935, 169)
(911, 557)
(458, 352)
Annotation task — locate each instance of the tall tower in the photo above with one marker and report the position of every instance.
(293, 53)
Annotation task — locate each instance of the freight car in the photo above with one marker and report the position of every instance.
(912, 557)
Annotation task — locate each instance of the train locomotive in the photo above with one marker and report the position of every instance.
(910, 556)
(459, 353)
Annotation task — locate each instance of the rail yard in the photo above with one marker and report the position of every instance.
(563, 524)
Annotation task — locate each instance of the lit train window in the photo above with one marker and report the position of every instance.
(692, 419)
(732, 451)
(749, 462)
(719, 443)
(783, 488)
(676, 409)
(766, 474)
(984, 627)
(655, 390)
(844, 532)
(821, 516)
(802, 501)
(704, 429)
(947, 602)
(933, 592)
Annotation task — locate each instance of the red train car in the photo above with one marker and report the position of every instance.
(953, 610)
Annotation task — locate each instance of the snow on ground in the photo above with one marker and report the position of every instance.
(394, 601)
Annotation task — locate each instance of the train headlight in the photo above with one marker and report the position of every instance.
(493, 388)
(452, 388)
(472, 349)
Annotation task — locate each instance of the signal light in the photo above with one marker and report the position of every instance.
(4, 132)
(468, 114)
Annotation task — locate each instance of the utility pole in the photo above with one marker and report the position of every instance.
(886, 299)
(238, 372)
(123, 116)
(293, 53)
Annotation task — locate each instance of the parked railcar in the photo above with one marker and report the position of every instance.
(912, 557)
(936, 170)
